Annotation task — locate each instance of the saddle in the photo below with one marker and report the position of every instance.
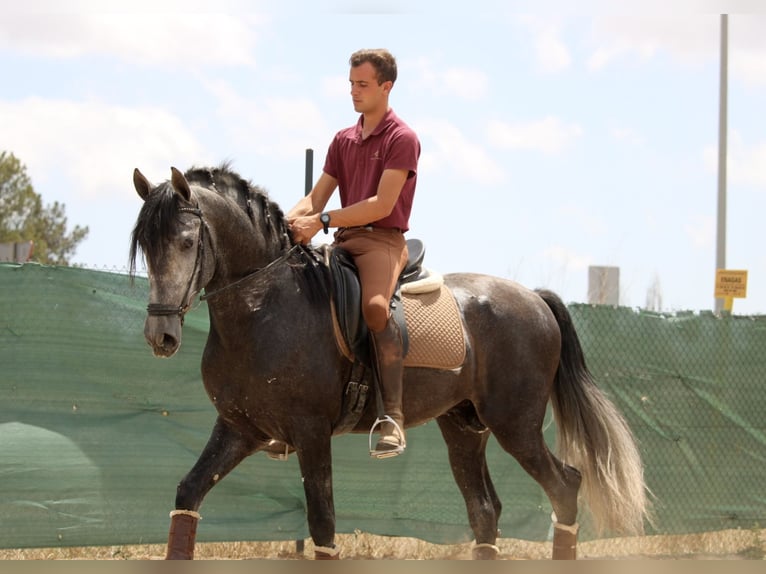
(347, 298)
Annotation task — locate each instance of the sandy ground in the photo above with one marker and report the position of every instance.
(724, 545)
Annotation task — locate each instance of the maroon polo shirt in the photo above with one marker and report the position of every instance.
(357, 164)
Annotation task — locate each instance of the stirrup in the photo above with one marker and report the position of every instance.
(273, 455)
(388, 453)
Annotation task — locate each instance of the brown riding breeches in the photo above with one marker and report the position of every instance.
(380, 255)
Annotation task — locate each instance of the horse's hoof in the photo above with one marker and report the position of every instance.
(179, 556)
(484, 552)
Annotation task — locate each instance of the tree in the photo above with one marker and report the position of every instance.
(23, 217)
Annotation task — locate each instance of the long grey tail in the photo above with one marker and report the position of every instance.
(594, 437)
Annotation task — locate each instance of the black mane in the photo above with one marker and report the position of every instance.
(158, 220)
(250, 197)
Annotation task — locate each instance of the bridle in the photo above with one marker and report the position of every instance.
(165, 310)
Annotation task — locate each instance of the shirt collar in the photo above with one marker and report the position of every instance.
(387, 119)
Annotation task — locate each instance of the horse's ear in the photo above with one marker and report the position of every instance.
(142, 185)
(180, 184)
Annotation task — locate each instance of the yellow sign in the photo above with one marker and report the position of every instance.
(730, 283)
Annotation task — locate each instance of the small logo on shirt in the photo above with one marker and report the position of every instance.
(376, 155)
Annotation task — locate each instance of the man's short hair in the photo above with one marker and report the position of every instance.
(380, 58)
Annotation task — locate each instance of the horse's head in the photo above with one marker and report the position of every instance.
(173, 236)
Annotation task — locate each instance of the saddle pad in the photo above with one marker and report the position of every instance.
(434, 327)
(435, 330)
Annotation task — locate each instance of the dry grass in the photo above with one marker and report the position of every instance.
(724, 545)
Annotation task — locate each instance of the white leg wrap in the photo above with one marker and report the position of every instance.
(567, 528)
(327, 550)
(191, 513)
(486, 545)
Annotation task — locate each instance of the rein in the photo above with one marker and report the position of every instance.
(284, 257)
(164, 310)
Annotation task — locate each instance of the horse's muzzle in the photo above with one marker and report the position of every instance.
(163, 334)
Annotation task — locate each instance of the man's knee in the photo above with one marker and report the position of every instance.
(376, 316)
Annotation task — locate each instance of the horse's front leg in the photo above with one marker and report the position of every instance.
(315, 457)
(225, 449)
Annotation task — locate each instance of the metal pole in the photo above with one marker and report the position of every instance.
(720, 257)
(309, 170)
(300, 544)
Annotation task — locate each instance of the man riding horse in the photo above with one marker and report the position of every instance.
(374, 165)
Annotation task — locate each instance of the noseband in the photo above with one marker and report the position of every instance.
(164, 310)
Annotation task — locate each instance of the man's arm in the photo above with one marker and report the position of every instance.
(373, 208)
(317, 198)
(304, 217)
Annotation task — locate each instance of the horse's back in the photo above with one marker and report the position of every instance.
(504, 318)
(489, 295)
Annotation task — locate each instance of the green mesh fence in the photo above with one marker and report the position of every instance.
(95, 432)
(692, 387)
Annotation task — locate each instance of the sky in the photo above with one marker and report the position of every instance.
(553, 139)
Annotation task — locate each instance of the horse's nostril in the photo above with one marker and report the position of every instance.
(169, 342)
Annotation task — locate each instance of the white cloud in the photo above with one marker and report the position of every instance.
(469, 84)
(94, 145)
(186, 39)
(550, 51)
(691, 39)
(548, 135)
(745, 165)
(448, 149)
(749, 65)
(272, 127)
(747, 50)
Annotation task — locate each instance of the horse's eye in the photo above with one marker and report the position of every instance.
(188, 243)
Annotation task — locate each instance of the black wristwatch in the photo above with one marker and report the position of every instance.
(325, 219)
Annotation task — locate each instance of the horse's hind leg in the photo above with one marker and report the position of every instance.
(225, 449)
(466, 449)
(520, 434)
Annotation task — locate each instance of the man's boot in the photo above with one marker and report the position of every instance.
(388, 355)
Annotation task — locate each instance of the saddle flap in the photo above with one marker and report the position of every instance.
(347, 296)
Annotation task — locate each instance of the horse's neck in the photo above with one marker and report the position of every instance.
(242, 244)
(269, 303)
(242, 264)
